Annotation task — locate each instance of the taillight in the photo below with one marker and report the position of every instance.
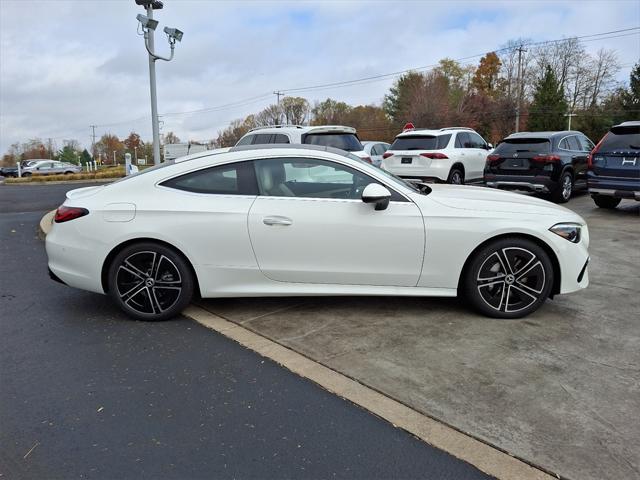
(387, 155)
(546, 158)
(367, 159)
(594, 151)
(64, 214)
(493, 159)
(434, 155)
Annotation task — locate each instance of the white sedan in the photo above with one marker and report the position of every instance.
(292, 220)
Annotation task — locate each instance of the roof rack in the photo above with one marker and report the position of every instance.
(455, 128)
(276, 126)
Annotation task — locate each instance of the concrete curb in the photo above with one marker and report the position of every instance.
(484, 457)
(46, 223)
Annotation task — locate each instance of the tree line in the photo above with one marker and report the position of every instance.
(549, 85)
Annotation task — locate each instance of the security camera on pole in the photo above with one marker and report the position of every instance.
(173, 34)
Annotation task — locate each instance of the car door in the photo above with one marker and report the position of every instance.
(45, 168)
(309, 225)
(476, 155)
(585, 146)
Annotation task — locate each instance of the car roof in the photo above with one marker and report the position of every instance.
(287, 146)
(547, 135)
(417, 132)
(303, 129)
(630, 123)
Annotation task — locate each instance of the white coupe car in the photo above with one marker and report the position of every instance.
(291, 220)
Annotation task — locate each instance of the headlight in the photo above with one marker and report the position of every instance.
(568, 231)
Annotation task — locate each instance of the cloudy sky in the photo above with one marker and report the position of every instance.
(65, 65)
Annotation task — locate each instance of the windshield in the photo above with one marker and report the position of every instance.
(343, 141)
(532, 145)
(423, 142)
(622, 138)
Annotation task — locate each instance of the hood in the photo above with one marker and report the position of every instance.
(491, 200)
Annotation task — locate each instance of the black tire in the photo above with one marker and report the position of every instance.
(562, 193)
(508, 278)
(604, 201)
(26, 174)
(68, 173)
(150, 282)
(456, 176)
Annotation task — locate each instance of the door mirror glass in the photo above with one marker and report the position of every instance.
(376, 194)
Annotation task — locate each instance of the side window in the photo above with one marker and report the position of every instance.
(476, 140)
(462, 140)
(585, 144)
(375, 150)
(232, 179)
(280, 138)
(311, 178)
(564, 144)
(246, 140)
(574, 143)
(262, 139)
(385, 146)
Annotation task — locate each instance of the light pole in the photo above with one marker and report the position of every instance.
(148, 28)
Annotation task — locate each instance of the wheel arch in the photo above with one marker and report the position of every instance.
(555, 289)
(460, 166)
(118, 248)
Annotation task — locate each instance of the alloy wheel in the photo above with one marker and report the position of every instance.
(148, 282)
(511, 279)
(567, 186)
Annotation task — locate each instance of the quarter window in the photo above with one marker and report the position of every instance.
(246, 140)
(311, 178)
(232, 179)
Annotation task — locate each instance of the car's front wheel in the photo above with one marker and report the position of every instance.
(150, 281)
(508, 278)
(604, 201)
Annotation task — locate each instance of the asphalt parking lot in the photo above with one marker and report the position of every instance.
(85, 392)
(560, 389)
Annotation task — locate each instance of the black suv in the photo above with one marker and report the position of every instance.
(614, 166)
(553, 163)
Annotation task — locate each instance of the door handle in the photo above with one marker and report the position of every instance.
(276, 220)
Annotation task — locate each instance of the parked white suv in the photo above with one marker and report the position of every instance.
(453, 155)
(338, 136)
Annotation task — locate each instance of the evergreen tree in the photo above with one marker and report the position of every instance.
(85, 157)
(631, 96)
(547, 112)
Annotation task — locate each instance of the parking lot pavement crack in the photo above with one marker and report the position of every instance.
(279, 310)
(306, 334)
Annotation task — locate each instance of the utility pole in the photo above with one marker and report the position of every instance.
(570, 114)
(149, 26)
(93, 141)
(278, 94)
(519, 87)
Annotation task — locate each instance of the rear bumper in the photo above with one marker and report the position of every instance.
(619, 187)
(538, 184)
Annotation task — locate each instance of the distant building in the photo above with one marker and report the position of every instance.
(177, 150)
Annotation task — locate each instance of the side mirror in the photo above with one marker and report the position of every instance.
(376, 193)
(489, 146)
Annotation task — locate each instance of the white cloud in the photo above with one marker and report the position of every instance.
(84, 64)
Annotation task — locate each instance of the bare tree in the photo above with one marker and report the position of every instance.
(295, 110)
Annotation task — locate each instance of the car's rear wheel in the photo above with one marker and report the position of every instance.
(150, 281)
(604, 201)
(508, 278)
(26, 174)
(456, 177)
(562, 193)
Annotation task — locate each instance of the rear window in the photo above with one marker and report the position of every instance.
(343, 141)
(423, 142)
(532, 145)
(622, 138)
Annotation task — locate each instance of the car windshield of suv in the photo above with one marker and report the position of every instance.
(622, 138)
(422, 142)
(343, 141)
(515, 145)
